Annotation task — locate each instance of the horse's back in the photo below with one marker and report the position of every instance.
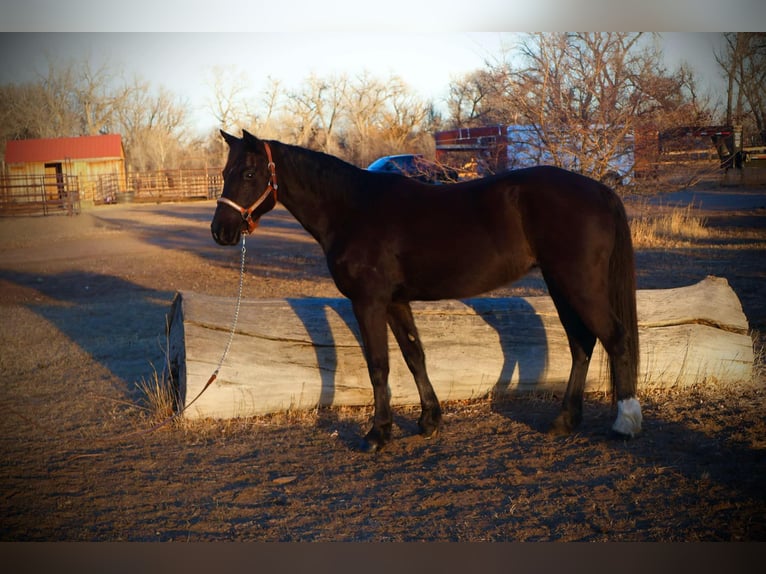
(554, 199)
(546, 184)
(460, 240)
(573, 224)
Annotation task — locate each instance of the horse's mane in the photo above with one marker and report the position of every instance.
(331, 174)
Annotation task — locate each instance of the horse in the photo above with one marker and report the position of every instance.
(390, 240)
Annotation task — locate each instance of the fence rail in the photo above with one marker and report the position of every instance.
(156, 186)
(176, 184)
(39, 195)
(62, 193)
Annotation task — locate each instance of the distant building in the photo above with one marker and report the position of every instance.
(89, 163)
(496, 148)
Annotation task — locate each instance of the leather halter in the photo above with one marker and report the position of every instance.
(271, 188)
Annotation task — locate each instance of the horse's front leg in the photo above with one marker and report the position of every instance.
(403, 325)
(372, 324)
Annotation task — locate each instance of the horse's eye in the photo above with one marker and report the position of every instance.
(249, 174)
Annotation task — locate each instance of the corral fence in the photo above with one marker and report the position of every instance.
(62, 193)
(172, 185)
(154, 186)
(39, 195)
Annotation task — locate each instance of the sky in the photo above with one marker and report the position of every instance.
(176, 43)
(183, 62)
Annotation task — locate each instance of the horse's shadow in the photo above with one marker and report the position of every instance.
(520, 331)
(523, 342)
(318, 327)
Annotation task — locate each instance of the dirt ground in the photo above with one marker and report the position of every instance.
(82, 307)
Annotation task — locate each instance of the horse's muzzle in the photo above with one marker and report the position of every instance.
(222, 237)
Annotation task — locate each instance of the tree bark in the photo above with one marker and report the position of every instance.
(303, 353)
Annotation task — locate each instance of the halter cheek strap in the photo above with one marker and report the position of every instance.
(271, 189)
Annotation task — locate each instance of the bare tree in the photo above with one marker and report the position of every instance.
(315, 110)
(228, 98)
(153, 126)
(43, 109)
(743, 61)
(404, 116)
(268, 124)
(99, 96)
(580, 99)
(228, 102)
(582, 93)
(364, 103)
(356, 118)
(382, 117)
(77, 99)
(22, 112)
(471, 100)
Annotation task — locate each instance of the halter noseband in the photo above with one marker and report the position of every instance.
(271, 188)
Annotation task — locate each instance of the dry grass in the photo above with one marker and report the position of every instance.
(158, 395)
(759, 360)
(672, 228)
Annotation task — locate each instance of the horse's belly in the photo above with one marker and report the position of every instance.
(457, 278)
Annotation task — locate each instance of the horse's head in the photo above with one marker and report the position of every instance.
(249, 188)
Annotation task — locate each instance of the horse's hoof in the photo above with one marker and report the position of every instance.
(429, 426)
(621, 436)
(558, 430)
(374, 441)
(564, 425)
(629, 418)
(369, 447)
(432, 434)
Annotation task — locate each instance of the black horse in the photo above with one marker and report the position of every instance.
(390, 240)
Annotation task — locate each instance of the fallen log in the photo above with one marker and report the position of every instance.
(306, 352)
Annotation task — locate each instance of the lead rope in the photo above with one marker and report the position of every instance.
(236, 309)
(212, 377)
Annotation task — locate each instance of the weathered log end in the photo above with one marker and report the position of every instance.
(302, 353)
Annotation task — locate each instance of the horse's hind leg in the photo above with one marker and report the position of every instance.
(629, 417)
(403, 326)
(587, 316)
(581, 343)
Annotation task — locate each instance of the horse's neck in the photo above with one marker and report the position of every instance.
(314, 194)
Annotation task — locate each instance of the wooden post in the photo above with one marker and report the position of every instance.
(301, 353)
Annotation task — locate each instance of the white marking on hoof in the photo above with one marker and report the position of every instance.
(629, 417)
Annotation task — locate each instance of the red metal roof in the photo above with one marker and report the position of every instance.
(61, 149)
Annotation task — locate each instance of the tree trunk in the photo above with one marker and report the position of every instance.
(301, 353)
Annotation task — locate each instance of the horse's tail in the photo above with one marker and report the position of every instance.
(622, 292)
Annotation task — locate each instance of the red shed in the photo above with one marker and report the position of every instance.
(95, 162)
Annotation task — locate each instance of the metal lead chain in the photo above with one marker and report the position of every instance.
(236, 309)
(213, 377)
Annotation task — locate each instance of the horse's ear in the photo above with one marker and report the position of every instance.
(230, 139)
(249, 138)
